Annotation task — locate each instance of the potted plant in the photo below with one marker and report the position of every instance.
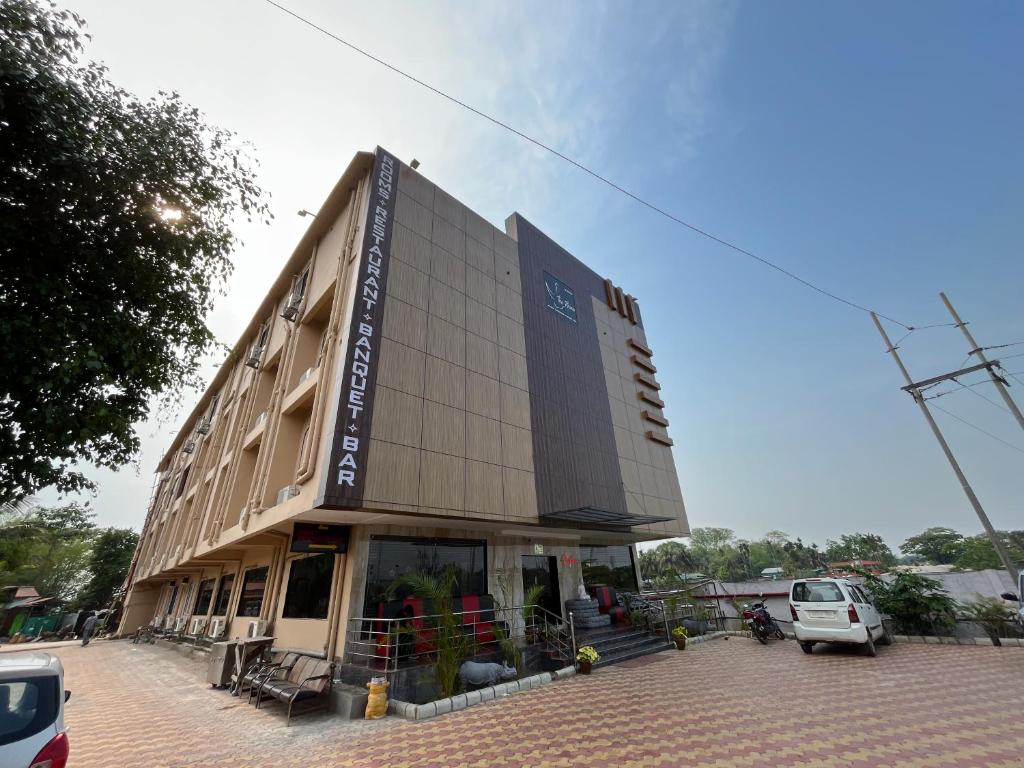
(586, 657)
(679, 636)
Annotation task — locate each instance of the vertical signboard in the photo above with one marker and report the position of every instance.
(346, 470)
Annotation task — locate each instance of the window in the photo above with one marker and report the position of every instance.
(817, 592)
(309, 587)
(27, 706)
(254, 584)
(390, 558)
(183, 482)
(608, 566)
(224, 595)
(205, 596)
(858, 595)
(174, 594)
(299, 287)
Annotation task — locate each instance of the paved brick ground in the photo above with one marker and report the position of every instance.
(725, 703)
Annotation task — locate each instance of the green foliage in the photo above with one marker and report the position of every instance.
(109, 560)
(994, 616)
(939, 546)
(978, 552)
(46, 548)
(452, 644)
(859, 546)
(680, 631)
(588, 653)
(918, 605)
(530, 598)
(716, 552)
(115, 235)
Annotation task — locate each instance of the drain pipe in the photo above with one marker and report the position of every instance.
(334, 620)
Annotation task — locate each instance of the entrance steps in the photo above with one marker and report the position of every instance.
(614, 644)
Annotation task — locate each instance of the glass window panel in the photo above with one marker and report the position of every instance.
(608, 566)
(254, 585)
(309, 587)
(224, 595)
(205, 596)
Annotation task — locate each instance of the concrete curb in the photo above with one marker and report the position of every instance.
(462, 701)
(1007, 642)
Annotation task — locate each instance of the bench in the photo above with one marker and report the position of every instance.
(262, 669)
(308, 682)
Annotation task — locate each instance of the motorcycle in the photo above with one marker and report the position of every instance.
(762, 625)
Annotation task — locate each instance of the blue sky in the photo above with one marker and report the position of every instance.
(872, 148)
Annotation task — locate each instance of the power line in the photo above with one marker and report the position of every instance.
(1003, 346)
(594, 174)
(979, 429)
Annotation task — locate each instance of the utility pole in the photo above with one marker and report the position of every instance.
(975, 349)
(915, 392)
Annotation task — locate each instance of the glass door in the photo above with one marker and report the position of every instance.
(543, 571)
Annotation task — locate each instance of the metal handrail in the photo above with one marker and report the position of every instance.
(378, 643)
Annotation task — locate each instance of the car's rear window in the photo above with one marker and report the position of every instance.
(817, 592)
(27, 706)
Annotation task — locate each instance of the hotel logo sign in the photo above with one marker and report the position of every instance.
(559, 297)
(346, 472)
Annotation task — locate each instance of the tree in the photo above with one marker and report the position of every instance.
(47, 548)
(115, 234)
(939, 546)
(859, 546)
(109, 560)
(978, 553)
(918, 605)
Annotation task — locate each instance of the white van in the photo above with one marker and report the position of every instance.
(835, 611)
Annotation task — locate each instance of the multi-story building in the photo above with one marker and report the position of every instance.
(418, 388)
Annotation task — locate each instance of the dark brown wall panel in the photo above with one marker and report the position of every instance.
(575, 459)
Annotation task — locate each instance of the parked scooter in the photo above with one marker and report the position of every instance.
(762, 625)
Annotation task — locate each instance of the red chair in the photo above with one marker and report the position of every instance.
(608, 603)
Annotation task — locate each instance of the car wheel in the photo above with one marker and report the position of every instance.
(807, 647)
(886, 638)
(869, 646)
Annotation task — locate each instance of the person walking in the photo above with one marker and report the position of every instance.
(87, 628)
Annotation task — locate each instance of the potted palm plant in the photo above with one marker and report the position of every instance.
(530, 598)
(679, 636)
(586, 657)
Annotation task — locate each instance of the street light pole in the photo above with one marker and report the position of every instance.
(997, 543)
(975, 349)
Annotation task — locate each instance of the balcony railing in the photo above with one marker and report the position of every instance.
(389, 645)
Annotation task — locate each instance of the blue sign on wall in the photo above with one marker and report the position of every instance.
(560, 297)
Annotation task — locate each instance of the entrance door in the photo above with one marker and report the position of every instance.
(543, 570)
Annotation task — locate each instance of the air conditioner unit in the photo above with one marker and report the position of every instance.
(253, 361)
(204, 426)
(286, 493)
(179, 623)
(198, 625)
(217, 627)
(291, 310)
(257, 628)
(306, 374)
(190, 445)
(169, 623)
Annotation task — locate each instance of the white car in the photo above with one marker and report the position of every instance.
(32, 700)
(835, 611)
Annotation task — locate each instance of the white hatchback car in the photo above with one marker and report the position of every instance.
(835, 611)
(32, 700)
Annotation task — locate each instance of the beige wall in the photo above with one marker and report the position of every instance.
(648, 468)
(451, 425)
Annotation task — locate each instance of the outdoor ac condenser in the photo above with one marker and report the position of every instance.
(179, 623)
(169, 623)
(286, 493)
(198, 625)
(217, 628)
(257, 628)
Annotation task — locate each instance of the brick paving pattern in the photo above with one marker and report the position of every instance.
(724, 703)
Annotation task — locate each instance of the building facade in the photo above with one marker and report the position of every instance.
(418, 389)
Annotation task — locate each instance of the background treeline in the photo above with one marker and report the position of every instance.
(716, 552)
(61, 552)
